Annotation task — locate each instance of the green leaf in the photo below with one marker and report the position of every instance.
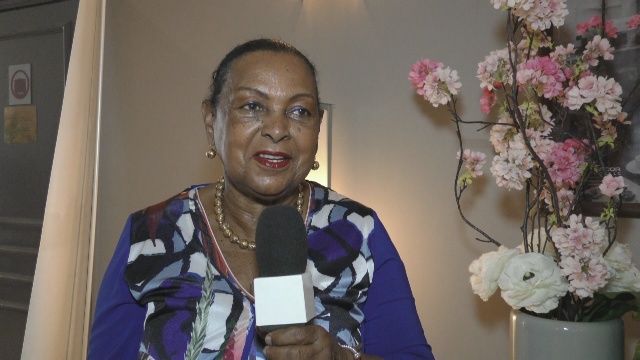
(465, 180)
(606, 140)
(583, 167)
(607, 213)
(609, 306)
(199, 330)
(590, 108)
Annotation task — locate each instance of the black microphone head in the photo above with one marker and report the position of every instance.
(281, 242)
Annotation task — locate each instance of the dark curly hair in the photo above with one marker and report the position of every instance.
(219, 76)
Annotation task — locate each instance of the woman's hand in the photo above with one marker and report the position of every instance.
(304, 342)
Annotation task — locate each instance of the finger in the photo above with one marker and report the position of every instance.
(307, 352)
(288, 352)
(295, 335)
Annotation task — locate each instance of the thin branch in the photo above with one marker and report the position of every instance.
(458, 191)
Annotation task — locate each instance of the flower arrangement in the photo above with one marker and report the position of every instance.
(556, 119)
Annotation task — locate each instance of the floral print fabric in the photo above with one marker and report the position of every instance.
(171, 243)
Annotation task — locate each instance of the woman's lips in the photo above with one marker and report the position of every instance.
(274, 160)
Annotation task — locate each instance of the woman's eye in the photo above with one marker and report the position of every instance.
(300, 112)
(252, 106)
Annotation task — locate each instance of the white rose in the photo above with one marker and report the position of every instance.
(626, 276)
(486, 270)
(532, 281)
(624, 281)
(618, 256)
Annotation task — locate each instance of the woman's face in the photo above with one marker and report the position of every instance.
(266, 124)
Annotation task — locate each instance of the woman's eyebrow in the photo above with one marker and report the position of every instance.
(251, 89)
(265, 95)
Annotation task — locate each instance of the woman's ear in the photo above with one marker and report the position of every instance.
(208, 114)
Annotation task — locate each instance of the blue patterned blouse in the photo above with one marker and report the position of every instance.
(150, 295)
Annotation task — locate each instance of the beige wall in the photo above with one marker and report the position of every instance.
(390, 151)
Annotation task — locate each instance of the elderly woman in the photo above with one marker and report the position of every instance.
(262, 120)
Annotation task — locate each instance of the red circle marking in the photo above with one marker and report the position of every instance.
(19, 96)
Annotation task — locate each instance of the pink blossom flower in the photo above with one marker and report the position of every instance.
(608, 129)
(579, 238)
(450, 78)
(612, 186)
(608, 101)
(543, 74)
(565, 201)
(584, 26)
(622, 118)
(420, 69)
(589, 89)
(539, 120)
(494, 70)
(586, 275)
(576, 145)
(474, 160)
(610, 30)
(502, 132)
(603, 93)
(565, 161)
(487, 101)
(596, 23)
(539, 15)
(497, 4)
(573, 239)
(511, 167)
(634, 22)
(596, 48)
(561, 53)
(572, 99)
(541, 143)
(434, 82)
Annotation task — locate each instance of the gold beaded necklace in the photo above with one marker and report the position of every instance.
(224, 226)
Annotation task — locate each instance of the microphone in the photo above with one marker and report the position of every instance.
(284, 291)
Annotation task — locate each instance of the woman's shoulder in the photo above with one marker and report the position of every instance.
(168, 211)
(186, 195)
(330, 209)
(323, 196)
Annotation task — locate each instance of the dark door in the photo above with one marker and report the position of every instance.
(38, 37)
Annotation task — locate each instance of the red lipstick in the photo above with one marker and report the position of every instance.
(272, 159)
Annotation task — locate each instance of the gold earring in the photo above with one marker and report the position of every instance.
(211, 153)
(315, 166)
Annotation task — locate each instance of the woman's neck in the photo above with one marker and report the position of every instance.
(242, 211)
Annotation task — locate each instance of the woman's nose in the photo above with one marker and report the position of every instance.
(275, 126)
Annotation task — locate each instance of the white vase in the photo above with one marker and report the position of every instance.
(534, 338)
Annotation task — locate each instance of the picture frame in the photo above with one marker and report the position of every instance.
(625, 68)
(323, 156)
